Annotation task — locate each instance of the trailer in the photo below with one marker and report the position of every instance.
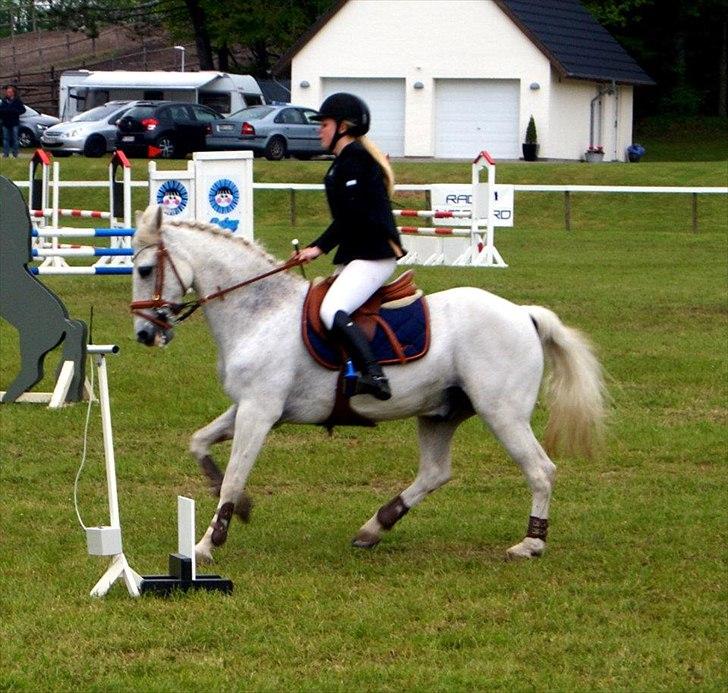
(82, 90)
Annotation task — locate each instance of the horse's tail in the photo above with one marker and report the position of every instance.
(575, 389)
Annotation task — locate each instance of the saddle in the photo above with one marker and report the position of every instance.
(395, 320)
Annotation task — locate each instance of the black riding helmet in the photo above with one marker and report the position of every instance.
(345, 107)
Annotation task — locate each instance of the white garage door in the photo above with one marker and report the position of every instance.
(385, 98)
(476, 114)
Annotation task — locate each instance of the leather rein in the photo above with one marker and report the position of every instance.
(182, 311)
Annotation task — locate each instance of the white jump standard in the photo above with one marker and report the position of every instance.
(106, 540)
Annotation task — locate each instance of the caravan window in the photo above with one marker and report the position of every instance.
(153, 95)
(96, 97)
(253, 99)
(215, 100)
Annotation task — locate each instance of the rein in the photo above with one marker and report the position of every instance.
(182, 311)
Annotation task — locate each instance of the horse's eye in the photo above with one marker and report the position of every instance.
(145, 271)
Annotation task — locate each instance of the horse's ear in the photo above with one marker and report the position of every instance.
(149, 223)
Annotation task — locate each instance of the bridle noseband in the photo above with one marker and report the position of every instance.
(162, 309)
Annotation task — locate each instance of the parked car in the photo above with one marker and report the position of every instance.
(270, 131)
(32, 125)
(174, 128)
(91, 133)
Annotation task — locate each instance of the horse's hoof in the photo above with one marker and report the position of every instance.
(528, 548)
(365, 540)
(203, 556)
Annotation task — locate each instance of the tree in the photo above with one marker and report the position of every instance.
(680, 43)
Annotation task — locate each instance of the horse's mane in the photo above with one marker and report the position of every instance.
(215, 230)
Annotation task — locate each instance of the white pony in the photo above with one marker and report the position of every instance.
(486, 357)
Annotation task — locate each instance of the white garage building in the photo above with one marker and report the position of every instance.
(448, 78)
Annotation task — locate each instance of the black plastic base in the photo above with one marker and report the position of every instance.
(180, 578)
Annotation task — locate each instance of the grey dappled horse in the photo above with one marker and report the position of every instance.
(34, 310)
(486, 358)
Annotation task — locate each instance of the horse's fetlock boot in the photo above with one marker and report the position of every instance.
(389, 514)
(213, 474)
(221, 524)
(538, 528)
(243, 507)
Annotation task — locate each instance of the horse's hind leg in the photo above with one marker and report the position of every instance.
(217, 431)
(518, 439)
(435, 436)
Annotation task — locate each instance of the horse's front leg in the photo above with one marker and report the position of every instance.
(220, 429)
(252, 423)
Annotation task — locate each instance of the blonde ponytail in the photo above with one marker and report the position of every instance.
(382, 160)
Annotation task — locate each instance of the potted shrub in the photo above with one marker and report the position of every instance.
(530, 146)
(594, 153)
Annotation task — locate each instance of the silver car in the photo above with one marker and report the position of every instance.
(32, 126)
(271, 131)
(91, 133)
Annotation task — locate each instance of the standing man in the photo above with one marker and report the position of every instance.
(11, 108)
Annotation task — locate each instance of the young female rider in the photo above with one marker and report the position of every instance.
(358, 188)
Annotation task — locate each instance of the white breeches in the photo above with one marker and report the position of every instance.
(354, 284)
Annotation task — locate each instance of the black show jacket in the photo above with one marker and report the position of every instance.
(363, 226)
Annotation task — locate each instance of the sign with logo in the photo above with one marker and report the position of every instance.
(216, 188)
(224, 194)
(453, 196)
(173, 191)
(173, 196)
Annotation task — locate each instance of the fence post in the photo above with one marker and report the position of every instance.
(293, 206)
(567, 210)
(695, 212)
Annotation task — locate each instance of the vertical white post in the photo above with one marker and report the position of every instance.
(56, 198)
(490, 257)
(186, 530)
(119, 567)
(108, 440)
(127, 197)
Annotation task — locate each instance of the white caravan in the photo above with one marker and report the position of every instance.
(82, 90)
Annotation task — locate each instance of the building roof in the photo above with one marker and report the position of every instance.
(563, 30)
(575, 43)
(152, 79)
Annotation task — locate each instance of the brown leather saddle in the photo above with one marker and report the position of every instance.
(395, 320)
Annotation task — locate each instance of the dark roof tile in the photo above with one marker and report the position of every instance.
(574, 41)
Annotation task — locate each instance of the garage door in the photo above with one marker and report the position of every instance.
(476, 114)
(385, 98)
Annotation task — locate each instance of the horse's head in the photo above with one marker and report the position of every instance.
(159, 282)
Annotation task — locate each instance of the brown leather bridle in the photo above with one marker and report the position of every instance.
(182, 311)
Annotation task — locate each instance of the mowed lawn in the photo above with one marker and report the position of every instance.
(630, 594)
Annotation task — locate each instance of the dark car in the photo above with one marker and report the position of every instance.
(270, 131)
(171, 128)
(32, 125)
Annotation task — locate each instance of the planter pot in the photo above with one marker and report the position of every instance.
(529, 151)
(593, 157)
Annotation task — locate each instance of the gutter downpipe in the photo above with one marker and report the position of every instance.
(616, 118)
(591, 115)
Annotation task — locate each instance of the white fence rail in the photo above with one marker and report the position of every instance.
(566, 190)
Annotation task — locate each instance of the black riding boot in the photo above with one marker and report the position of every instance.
(372, 380)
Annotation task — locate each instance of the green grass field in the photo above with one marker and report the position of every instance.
(629, 596)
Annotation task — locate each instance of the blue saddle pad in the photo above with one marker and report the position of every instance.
(410, 324)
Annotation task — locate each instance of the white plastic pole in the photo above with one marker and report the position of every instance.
(108, 440)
